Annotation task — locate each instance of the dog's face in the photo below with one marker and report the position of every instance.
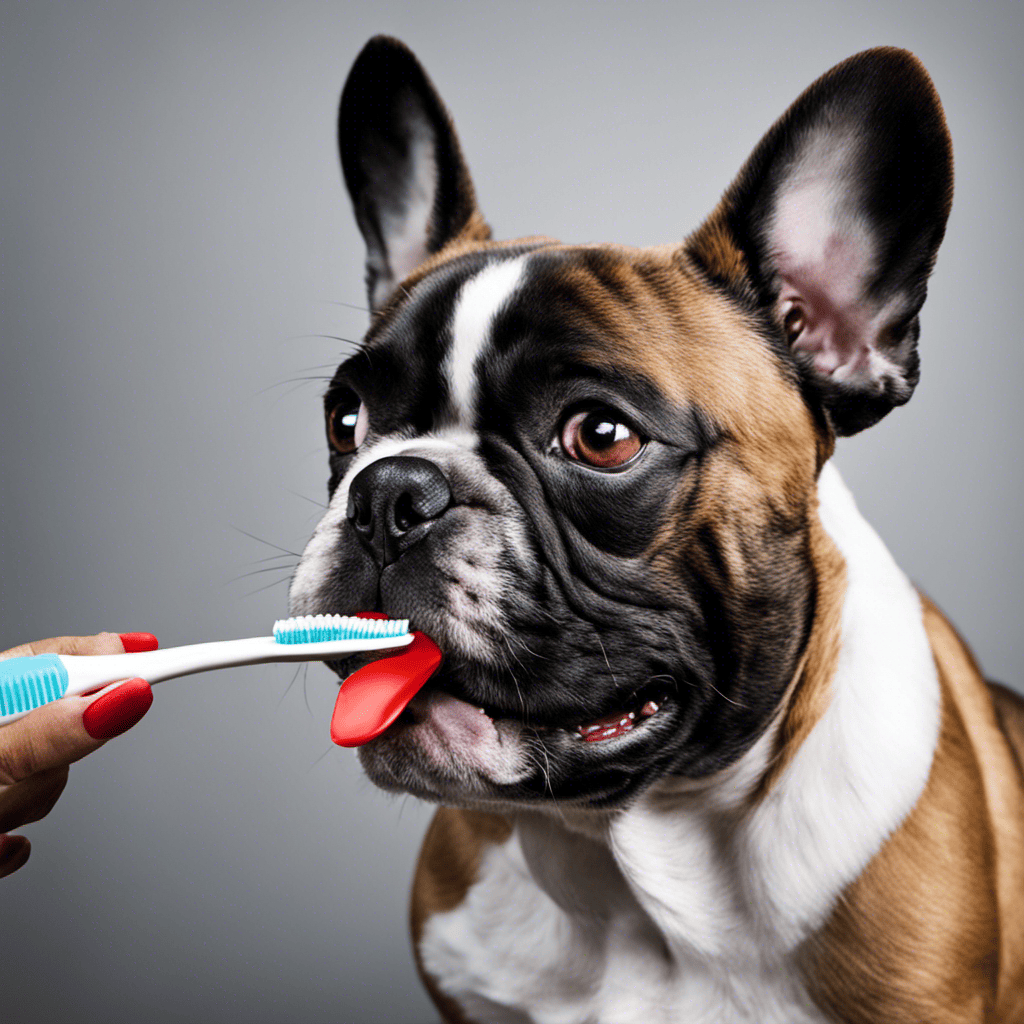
(589, 472)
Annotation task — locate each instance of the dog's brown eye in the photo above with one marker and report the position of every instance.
(600, 438)
(794, 322)
(346, 427)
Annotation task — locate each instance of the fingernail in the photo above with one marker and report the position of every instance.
(134, 642)
(117, 710)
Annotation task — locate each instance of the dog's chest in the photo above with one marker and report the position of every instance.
(552, 931)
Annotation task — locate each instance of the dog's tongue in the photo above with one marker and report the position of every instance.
(375, 695)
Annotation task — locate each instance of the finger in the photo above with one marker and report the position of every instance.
(14, 851)
(31, 799)
(65, 730)
(100, 643)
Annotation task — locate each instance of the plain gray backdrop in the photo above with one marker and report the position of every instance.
(176, 248)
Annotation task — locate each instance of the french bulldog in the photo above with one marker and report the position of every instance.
(702, 752)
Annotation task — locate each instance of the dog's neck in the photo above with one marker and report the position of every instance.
(740, 868)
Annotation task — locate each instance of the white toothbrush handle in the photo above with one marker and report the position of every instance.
(86, 672)
(28, 683)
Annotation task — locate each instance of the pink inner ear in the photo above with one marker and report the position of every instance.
(823, 258)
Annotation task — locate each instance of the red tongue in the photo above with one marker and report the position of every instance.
(375, 695)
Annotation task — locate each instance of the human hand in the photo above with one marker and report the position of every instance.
(35, 751)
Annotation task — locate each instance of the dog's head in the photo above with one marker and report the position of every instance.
(588, 472)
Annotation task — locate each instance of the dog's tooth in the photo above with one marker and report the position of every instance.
(649, 709)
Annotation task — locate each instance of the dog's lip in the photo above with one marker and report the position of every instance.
(643, 705)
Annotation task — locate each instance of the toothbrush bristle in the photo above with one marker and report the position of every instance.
(312, 629)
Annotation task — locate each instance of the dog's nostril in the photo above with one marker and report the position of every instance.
(406, 516)
(359, 512)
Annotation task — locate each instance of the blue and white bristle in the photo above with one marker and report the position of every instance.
(312, 629)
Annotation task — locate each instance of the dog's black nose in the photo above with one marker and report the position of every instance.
(393, 503)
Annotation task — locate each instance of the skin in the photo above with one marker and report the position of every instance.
(37, 751)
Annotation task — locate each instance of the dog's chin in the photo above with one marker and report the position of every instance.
(446, 750)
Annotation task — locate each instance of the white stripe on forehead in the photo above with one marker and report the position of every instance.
(479, 301)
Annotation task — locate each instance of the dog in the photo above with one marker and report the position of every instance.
(702, 751)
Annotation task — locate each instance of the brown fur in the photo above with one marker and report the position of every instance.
(932, 930)
(813, 687)
(1009, 707)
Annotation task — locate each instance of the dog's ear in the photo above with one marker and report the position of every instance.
(832, 227)
(403, 167)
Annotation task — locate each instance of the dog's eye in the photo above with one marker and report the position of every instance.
(794, 322)
(346, 426)
(600, 438)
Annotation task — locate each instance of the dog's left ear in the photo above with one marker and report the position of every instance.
(410, 187)
(832, 227)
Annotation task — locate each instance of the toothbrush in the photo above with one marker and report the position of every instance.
(28, 683)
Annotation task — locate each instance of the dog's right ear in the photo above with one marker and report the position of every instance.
(409, 184)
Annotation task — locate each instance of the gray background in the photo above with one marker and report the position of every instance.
(175, 239)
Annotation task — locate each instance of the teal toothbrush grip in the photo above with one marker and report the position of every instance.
(27, 683)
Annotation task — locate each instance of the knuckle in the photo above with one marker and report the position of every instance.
(99, 643)
(17, 761)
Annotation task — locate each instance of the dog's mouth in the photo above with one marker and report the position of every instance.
(383, 697)
(632, 714)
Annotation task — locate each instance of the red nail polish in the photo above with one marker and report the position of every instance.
(117, 710)
(134, 642)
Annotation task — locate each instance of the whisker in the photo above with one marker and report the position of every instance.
(320, 758)
(735, 703)
(519, 692)
(525, 647)
(545, 771)
(605, 653)
(292, 380)
(257, 572)
(253, 536)
(312, 501)
(322, 337)
(270, 558)
(276, 583)
(298, 669)
(347, 305)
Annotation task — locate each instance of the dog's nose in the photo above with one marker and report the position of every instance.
(393, 503)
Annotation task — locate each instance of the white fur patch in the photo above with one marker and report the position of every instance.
(480, 300)
(689, 906)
